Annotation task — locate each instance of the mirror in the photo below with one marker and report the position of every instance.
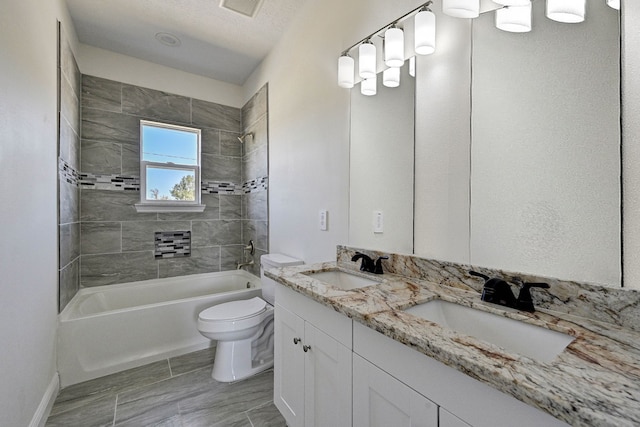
(381, 167)
(517, 148)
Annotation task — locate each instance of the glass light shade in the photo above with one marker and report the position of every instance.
(412, 66)
(515, 19)
(368, 87)
(346, 67)
(614, 4)
(461, 8)
(425, 32)
(367, 60)
(567, 11)
(512, 2)
(391, 77)
(394, 47)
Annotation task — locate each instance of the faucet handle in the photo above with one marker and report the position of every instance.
(525, 302)
(378, 269)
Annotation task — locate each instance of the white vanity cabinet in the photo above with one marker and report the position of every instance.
(462, 400)
(380, 400)
(312, 369)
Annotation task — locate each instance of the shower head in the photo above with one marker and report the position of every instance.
(243, 137)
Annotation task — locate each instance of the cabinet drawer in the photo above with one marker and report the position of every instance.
(336, 325)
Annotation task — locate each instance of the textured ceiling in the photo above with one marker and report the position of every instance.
(216, 42)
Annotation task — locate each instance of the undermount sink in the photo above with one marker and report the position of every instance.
(342, 280)
(513, 335)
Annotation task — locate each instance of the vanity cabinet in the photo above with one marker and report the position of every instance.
(380, 400)
(312, 368)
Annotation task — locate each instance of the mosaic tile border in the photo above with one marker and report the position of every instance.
(114, 182)
(67, 173)
(172, 244)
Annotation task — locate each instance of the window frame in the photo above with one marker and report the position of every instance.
(147, 205)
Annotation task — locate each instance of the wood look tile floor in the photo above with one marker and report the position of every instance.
(177, 392)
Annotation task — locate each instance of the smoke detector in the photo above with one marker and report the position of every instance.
(244, 7)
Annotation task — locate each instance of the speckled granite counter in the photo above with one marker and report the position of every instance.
(595, 381)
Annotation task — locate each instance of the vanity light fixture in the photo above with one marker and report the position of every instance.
(515, 19)
(566, 11)
(512, 2)
(369, 87)
(367, 60)
(614, 4)
(394, 52)
(461, 8)
(425, 31)
(412, 66)
(346, 67)
(394, 47)
(391, 77)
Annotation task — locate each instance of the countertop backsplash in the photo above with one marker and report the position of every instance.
(595, 302)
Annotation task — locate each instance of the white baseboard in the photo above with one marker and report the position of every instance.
(44, 409)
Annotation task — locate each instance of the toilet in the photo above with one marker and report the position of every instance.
(244, 328)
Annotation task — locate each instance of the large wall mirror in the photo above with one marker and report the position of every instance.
(516, 161)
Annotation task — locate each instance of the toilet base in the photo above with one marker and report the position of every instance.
(237, 360)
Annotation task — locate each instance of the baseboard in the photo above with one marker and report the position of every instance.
(44, 409)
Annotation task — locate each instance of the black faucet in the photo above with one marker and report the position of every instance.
(498, 291)
(368, 264)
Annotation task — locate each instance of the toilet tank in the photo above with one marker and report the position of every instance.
(267, 262)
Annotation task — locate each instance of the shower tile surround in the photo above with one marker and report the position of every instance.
(69, 82)
(115, 243)
(594, 381)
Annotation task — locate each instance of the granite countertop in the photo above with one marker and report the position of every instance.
(595, 381)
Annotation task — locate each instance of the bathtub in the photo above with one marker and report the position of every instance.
(107, 329)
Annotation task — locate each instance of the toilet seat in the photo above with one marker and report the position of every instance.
(234, 310)
(233, 316)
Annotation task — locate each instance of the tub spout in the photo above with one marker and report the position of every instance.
(239, 265)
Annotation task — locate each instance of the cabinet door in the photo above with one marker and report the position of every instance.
(447, 419)
(288, 390)
(327, 380)
(380, 400)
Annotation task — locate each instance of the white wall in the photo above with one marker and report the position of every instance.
(28, 171)
(309, 123)
(126, 69)
(631, 143)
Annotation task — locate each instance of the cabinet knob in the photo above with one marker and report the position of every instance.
(296, 340)
(306, 348)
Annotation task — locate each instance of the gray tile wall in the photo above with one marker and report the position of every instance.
(69, 78)
(117, 243)
(254, 167)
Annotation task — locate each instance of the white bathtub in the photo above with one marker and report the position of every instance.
(107, 329)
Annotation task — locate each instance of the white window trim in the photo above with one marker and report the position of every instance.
(146, 205)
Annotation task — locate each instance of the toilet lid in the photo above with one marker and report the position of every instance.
(234, 310)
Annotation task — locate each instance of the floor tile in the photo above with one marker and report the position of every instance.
(164, 414)
(192, 361)
(224, 400)
(266, 416)
(96, 413)
(78, 395)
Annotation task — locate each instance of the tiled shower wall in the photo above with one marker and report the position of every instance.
(68, 160)
(117, 243)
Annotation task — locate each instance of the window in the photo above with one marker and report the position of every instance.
(169, 168)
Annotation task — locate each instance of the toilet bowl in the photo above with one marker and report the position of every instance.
(244, 329)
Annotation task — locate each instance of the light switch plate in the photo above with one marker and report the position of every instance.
(323, 217)
(378, 222)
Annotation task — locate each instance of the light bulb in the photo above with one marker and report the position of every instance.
(461, 8)
(515, 19)
(368, 87)
(391, 77)
(614, 4)
(345, 72)
(367, 60)
(567, 11)
(394, 47)
(425, 32)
